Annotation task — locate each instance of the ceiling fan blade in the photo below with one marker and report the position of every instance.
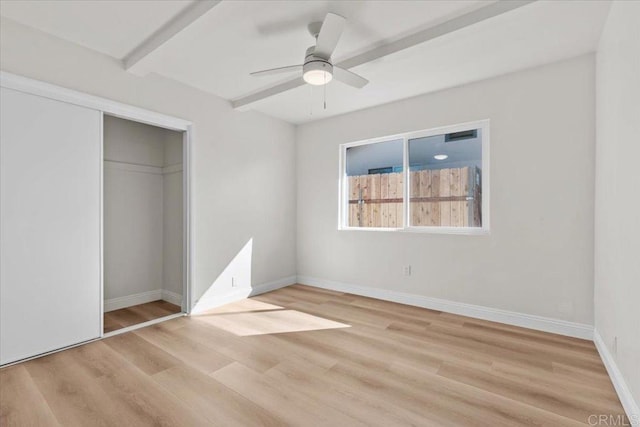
(329, 35)
(279, 70)
(349, 78)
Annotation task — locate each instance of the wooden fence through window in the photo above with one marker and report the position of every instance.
(438, 198)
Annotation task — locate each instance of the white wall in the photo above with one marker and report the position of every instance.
(617, 203)
(132, 232)
(142, 210)
(172, 211)
(131, 142)
(538, 258)
(243, 178)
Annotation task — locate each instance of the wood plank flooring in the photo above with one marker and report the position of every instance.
(118, 319)
(307, 357)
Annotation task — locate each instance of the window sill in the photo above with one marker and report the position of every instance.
(468, 231)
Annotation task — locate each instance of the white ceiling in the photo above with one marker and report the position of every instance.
(217, 52)
(240, 37)
(112, 27)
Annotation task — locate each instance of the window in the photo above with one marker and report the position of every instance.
(375, 184)
(433, 180)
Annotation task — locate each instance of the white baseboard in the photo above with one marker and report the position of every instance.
(273, 285)
(129, 300)
(141, 298)
(631, 407)
(214, 301)
(172, 297)
(530, 321)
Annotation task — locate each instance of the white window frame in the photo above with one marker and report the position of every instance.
(343, 182)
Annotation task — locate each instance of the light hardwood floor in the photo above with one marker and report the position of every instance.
(306, 357)
(118, 319)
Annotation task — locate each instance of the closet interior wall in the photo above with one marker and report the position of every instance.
(143, 214)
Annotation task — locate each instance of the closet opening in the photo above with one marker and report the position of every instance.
(143, 223)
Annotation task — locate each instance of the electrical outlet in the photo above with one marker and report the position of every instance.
(615, 345)
(233, 282)
(406, 270)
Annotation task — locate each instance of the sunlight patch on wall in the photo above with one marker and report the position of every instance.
(235, 280)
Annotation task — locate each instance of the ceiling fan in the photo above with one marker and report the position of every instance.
(317, 68)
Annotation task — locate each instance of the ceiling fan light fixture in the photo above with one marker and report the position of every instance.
(317, 73)
(317, 77)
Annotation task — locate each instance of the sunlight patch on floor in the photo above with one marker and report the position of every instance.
(242, 306)
(269, 322)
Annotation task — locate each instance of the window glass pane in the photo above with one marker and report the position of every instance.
(375, 182)
(445, 180)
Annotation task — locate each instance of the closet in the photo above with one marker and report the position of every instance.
(142, 222)
(93, 217)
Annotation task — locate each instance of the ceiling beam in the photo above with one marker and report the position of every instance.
(134, 62)
(244, 103)
(462, 21)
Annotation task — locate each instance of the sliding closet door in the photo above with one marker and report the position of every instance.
(50, 225)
